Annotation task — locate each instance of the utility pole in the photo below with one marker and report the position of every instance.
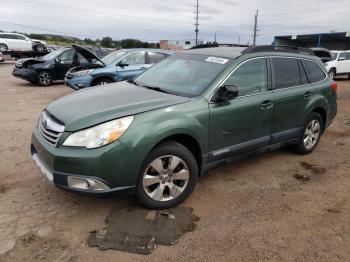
(255, 27)
(239, 39)
(197, 24)
(215, 38)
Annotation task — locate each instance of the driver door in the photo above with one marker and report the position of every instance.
(243, 124)
(64, 62)
(132, 65)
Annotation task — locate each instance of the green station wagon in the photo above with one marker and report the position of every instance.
(154, 135)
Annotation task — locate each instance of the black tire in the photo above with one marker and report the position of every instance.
(3, 48)
(301, 147)
(45, 78)
(332, 73)
(168, 149)
(102, 81)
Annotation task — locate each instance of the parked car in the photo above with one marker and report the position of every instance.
(50, 67)
(340, 65)
(15, 42)
(1, 58)
(154, 135)
(117, 66)
(323, 53)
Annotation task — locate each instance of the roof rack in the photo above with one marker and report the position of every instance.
(278, 48)
(216, 45)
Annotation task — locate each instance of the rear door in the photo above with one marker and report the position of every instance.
(132, 65)
(244, 123)
(291, 95)
(343, 63)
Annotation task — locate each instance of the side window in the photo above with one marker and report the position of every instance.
(286, 72)
(314, 72)
(155, 57)
(342, 56)
(136, 58)
(303, 77)
(19, 37)
(67, 57)
(347, 56)
(250, 77)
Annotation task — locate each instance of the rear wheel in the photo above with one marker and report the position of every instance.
(331, 73)
(45, 78)
(3, 48)
(102, 81)
(168, 176)
(311, 134)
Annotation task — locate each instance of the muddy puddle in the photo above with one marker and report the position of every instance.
(138, 230)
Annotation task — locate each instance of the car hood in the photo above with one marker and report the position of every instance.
(92, 106)
(88, 55)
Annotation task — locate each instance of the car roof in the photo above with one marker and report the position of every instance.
(4, 33)
(147, 50)
(228, 52)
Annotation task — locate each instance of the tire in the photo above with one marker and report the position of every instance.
(161, 190)
(102, 81)
(3, 48)
(45, 78)
(39, 48)
(332, 73)
(311, 134)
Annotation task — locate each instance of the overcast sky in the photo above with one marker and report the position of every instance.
(155, 19)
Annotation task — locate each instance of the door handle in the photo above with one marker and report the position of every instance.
(307, 95)
(267, 104)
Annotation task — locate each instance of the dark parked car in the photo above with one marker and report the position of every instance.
(154, 135)
(52, 66)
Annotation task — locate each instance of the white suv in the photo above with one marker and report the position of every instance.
(15, 42)
(340, 65)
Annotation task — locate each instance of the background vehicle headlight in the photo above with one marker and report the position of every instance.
(83, 72)
(100, 135)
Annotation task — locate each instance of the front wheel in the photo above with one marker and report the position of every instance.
(39, 48)
(3, 48)
(168, 176)
(331, 73)
(45, 78)
(102, 81)
(311, 134)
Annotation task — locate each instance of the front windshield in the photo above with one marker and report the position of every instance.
(334, 55)
(112, 57)
(183, 74)
(53, 54)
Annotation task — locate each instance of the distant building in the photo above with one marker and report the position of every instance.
(178, 44)
(331, 41)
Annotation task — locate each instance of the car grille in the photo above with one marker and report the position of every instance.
(49, 128)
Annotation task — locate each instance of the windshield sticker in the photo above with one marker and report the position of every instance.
(217, 60)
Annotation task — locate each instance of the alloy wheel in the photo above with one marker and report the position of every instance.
(331, 74)
(3, 48)
(165, 178)
(45, 78)
(312, 133)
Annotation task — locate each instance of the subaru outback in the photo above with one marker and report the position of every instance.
(154, 135)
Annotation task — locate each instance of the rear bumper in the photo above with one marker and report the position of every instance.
(25, 74)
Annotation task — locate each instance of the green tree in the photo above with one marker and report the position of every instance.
(107, 42)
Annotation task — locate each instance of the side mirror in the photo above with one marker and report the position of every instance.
(122, 64)
(225, 93)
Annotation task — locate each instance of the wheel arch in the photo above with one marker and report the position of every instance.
(99, 77)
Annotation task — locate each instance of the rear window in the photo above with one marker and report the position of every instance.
(314, 72)
(286, 72)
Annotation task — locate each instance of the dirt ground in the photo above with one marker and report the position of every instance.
(251, 210)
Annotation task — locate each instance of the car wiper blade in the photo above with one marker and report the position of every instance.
(156, 88)
(132, 81)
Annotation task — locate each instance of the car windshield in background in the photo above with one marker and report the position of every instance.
(53, 54)
(183, 74)
(334, 55)
(112, 57)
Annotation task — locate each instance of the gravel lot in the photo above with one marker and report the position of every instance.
(251, 210)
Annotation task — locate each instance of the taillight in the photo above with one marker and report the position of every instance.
(334, 86)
